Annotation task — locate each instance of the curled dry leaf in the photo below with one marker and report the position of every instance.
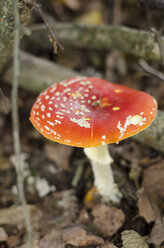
(157, 233)
(132, 239)
(144, 206)
(107, 220)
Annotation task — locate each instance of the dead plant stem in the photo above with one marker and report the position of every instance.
(15, 122)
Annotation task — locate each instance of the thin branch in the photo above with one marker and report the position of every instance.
(151, 70)
(15, 122)
(52, 37)
(5, 102)
(140, 43)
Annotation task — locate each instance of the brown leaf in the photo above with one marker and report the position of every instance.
(3, 234)
(157, 233)
(86, 240)
(132, 239)
(107, 220)
(153, 182)
(53, 239)
(73, 232)
(14, 215)
(107, 244)
(13, 241)
(60, 154)
(144, 206)
(77, 236)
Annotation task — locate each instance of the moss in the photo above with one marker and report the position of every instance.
(7, 27)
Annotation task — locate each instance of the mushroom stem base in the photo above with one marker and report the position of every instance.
(103, 175)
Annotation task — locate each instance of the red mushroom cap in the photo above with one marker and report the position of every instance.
(89, 112)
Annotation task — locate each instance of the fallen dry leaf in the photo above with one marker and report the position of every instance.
(144, 206)
(77, 236)
(59, 154)
(107, 244)
(72, 233)
(86, 241)
(53, 239)
(153, 182)
(13, 241)
(107, 220)
(157, 233)
(3, 234)
(132, 239)
(14, 215)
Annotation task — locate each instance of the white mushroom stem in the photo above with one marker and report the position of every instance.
(103, 175)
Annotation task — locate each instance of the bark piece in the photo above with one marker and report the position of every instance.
(140, 43)
(37, 74)
(153, 136)
(7, 27)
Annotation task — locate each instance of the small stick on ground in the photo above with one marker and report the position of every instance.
(151, 70)
(15, 122)
(52, 37)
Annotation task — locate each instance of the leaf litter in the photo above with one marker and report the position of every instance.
(60, 217)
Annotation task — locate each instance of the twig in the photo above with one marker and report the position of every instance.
(15, 122)
(52, 37)
(5, 102)
(139, 43)
(151, 70)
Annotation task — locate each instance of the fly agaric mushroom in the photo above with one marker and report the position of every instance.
(91, 113)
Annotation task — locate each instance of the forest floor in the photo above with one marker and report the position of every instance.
(58, 177)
